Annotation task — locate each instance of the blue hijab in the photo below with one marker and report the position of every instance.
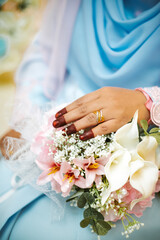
(116, 43)
(97, 43)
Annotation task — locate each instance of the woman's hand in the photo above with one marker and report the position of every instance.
(10, 133)
(118, 106)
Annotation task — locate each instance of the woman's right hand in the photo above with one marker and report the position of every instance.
(102, 111)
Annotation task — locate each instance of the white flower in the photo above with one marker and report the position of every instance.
(147, 149)
(143, 178)
(143, 168)
(117, 172)
(132, 161)
(127, 136)
(158, 157)
(117, 169)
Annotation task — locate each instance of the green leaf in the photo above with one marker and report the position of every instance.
(85, 222)
(156, 136)
(92, 213)
(154, 130)
(101, 227)
(144, 125)
(81, 201)
(89, 197)
(84, 198)
(75, 195)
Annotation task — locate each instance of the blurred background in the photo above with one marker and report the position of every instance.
(19, 21)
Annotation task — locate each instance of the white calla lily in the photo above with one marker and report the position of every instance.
(146, 149)
(158, 157)
(143, 177)
(117, 172)
(133, 161)
(128, 136)
(143, 168)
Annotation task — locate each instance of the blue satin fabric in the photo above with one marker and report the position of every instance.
(113, 47)
(110, 47)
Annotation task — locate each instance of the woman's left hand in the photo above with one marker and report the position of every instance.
(117, 105)
(13, 134)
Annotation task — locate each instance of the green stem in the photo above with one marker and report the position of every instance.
(123, 224)
(130, 217)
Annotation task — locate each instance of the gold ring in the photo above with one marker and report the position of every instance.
(99, 115)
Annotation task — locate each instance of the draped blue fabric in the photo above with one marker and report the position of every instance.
(111, 46)
(114, 43)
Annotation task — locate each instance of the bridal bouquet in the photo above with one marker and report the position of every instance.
(112, 177)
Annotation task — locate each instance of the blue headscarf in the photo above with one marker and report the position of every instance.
(116, 43)
(99, 43)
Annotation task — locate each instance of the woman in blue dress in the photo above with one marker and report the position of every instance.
(84, 46)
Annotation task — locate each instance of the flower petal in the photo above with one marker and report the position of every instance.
(90, 177)
(146, 149)
(80, 163)
(76, 173)
(98, 180)
(66, 187)
(37, 143)
(44, 164)
(56, 186)
(44, 178)
(80, 182)
(65, 167)
(127, 136)
(99, 170)
(105, 195)
(58, 176)
(158, 156)
(143, 177)
(103, 160)
(117, 172)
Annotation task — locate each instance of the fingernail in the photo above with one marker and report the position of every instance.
(87, 135)
(61, 112)
(71, 129)
(59, 122)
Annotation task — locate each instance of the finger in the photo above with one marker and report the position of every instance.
(101, 129)
(83, 111)
(77, 113)
(86, 115)
(59, 122)
(10, 133)
(77, 103)
(89, 120)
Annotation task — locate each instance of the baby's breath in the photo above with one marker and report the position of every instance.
(132, 225)
(114, 201)
(71, 147)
